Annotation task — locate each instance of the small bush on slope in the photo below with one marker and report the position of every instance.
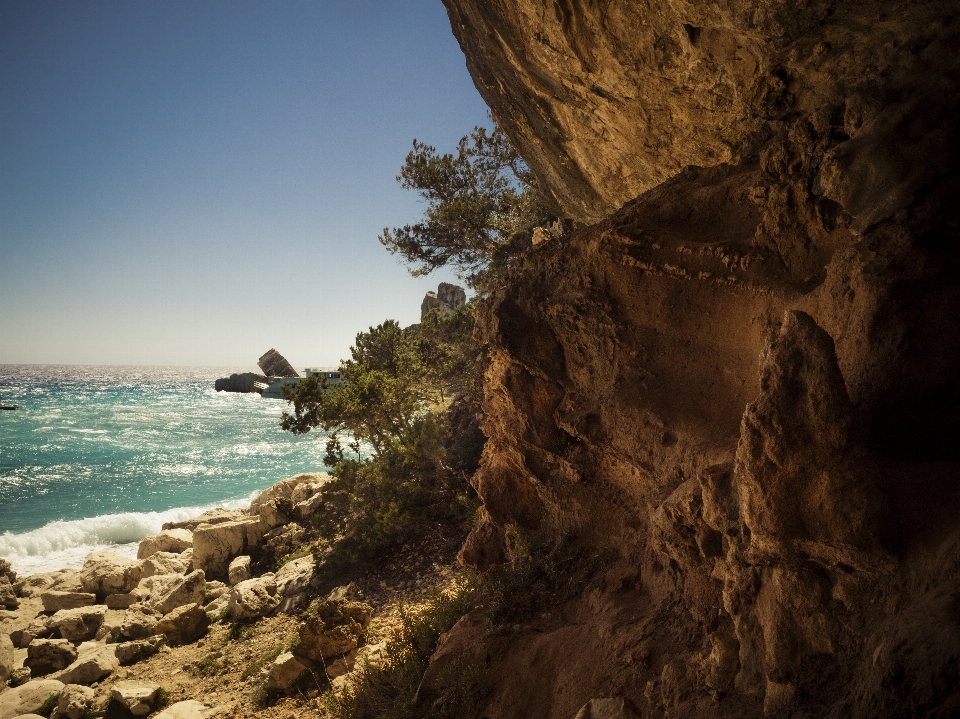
(386, 690)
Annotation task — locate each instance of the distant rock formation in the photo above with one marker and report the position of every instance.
(446, 299)
(274, 364)
(243, 382)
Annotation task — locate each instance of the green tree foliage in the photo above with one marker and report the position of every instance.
(482, 207)
(391, 382)
(394, 394)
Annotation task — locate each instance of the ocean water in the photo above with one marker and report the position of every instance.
(100, 457)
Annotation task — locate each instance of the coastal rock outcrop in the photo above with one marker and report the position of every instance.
(64, 580)
(606, 101)
(273, 364)
(244, 382)
(743, 379)
(211, 516)
(447, 298)
(6, 570)
(162, 563)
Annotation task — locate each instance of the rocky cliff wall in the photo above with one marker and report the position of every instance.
(746, 380)
(606, 99)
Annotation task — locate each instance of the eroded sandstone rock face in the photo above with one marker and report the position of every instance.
(746, 381)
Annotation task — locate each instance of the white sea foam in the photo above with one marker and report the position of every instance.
(65, 544)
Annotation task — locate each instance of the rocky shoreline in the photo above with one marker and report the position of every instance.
(71, 640)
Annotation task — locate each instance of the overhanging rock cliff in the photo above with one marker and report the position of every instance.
(606, 100)
(746, 381)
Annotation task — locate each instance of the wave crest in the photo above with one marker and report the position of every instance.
(64, 544)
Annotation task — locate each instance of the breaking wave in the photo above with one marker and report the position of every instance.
(64, 544)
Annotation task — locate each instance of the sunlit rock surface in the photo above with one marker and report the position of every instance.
(743, 384)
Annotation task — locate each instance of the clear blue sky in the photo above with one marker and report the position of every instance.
(194, 182)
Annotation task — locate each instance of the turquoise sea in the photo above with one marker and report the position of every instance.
(103, 456)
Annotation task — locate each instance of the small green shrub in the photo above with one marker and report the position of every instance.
(162, 699)
(209, 666)
(263, 697)
(223, 615)
(49, 704)
(386, 690)
(94, 711)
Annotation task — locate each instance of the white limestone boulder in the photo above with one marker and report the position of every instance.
(39, 628)
(179, 592)
(139, 622)
(45, 656)
(28, 698)
(163, 563)
(8, 595)
(65, 580)
(20, 675)
(75, 700)
(106, 573)
(110, 631)
(239, 570)
(121, 601)
(285, 672)
(94, 662)
(132, 652)
(54, 600)
(184, 624)
(6, 660)
(189, 709)
(308, 507)
(169, 540)
(254, 598)
(79, 624)
(293, 581)
(138, 697)
(214, 545)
